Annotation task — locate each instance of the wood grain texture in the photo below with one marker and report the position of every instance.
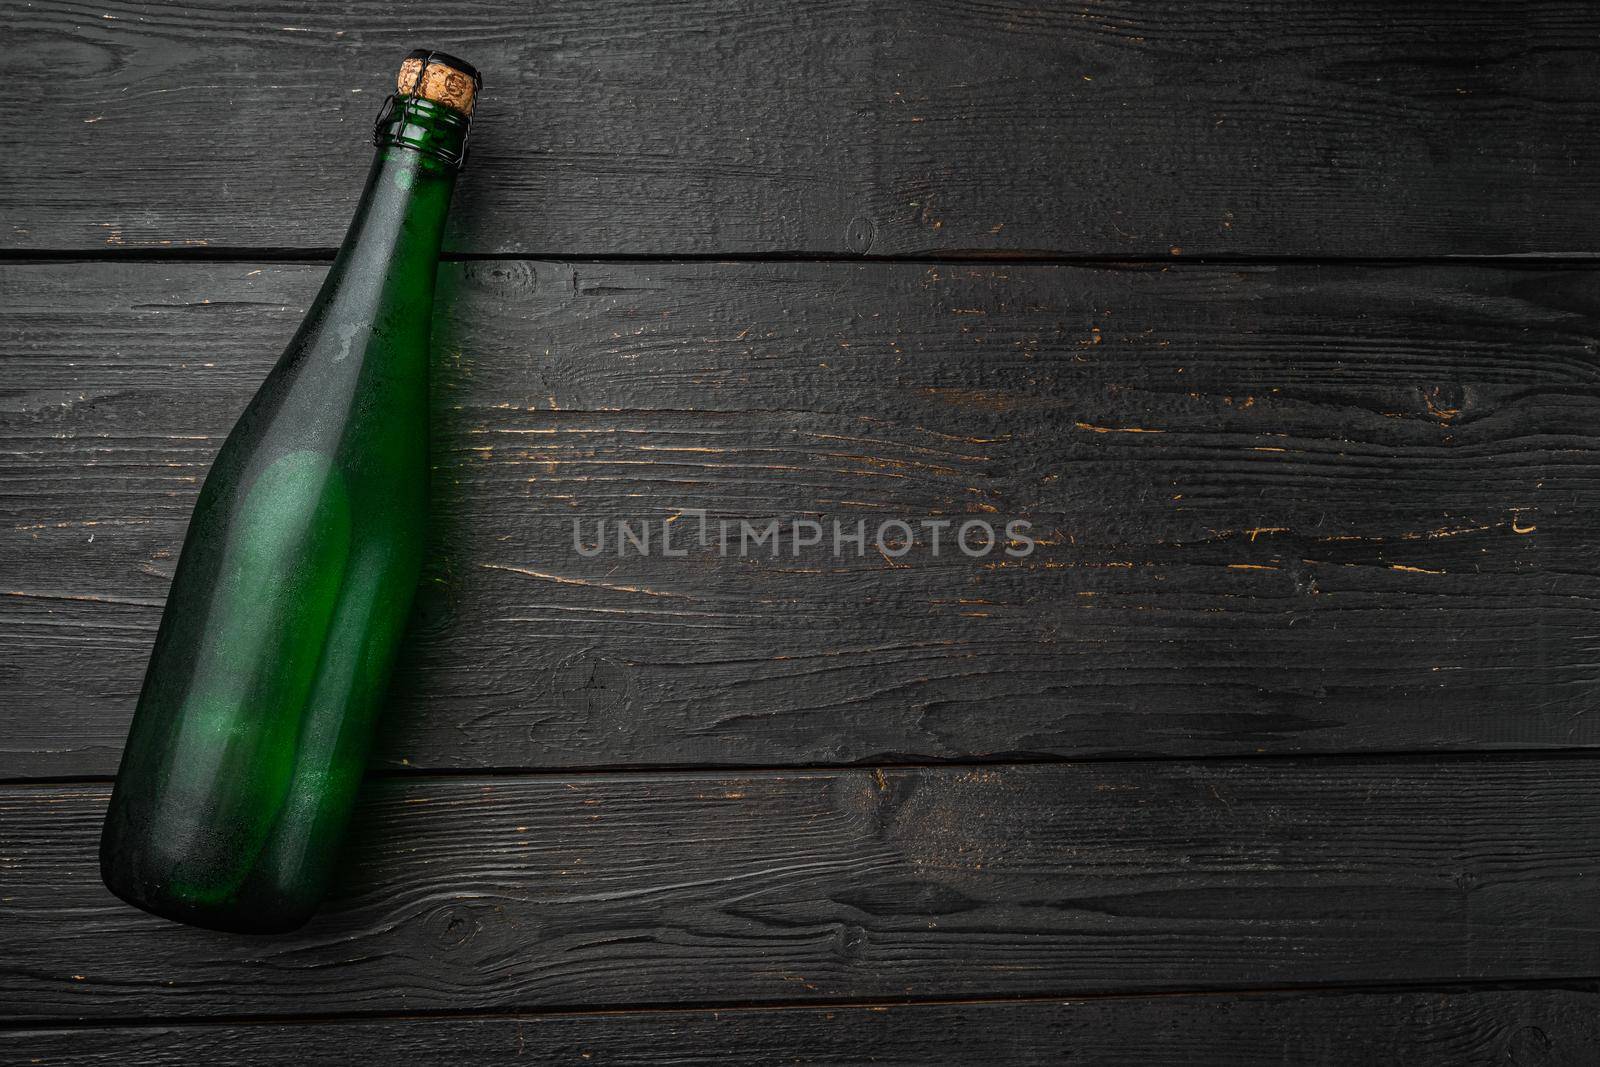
(836, 126)
(1553, 1027)
(1280, 509)
(638, 889)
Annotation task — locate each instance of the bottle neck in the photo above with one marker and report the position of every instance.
(390, 252)
(436, 131)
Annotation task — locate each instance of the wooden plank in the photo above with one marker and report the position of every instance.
(691, 888)
(1554, 1026)
(838, 127)
(1359, 515)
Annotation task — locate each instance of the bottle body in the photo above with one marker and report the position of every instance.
(291, 593)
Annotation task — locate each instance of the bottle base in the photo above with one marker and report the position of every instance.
(208, 918)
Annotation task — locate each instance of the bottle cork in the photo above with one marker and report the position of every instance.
(441, 78)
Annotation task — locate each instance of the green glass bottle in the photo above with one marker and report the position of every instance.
(255, 720)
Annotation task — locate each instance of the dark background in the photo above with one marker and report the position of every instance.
(1277, 320)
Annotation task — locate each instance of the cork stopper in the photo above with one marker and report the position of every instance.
(441, 78)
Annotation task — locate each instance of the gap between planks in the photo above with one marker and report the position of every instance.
(737, 770)
(1584, 984)
(245, 254)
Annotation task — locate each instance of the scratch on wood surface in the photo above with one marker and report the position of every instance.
(986, 399)
(88, 598)
(587, 582)
(1092, 428)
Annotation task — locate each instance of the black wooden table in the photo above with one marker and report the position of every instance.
(1280, 323)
